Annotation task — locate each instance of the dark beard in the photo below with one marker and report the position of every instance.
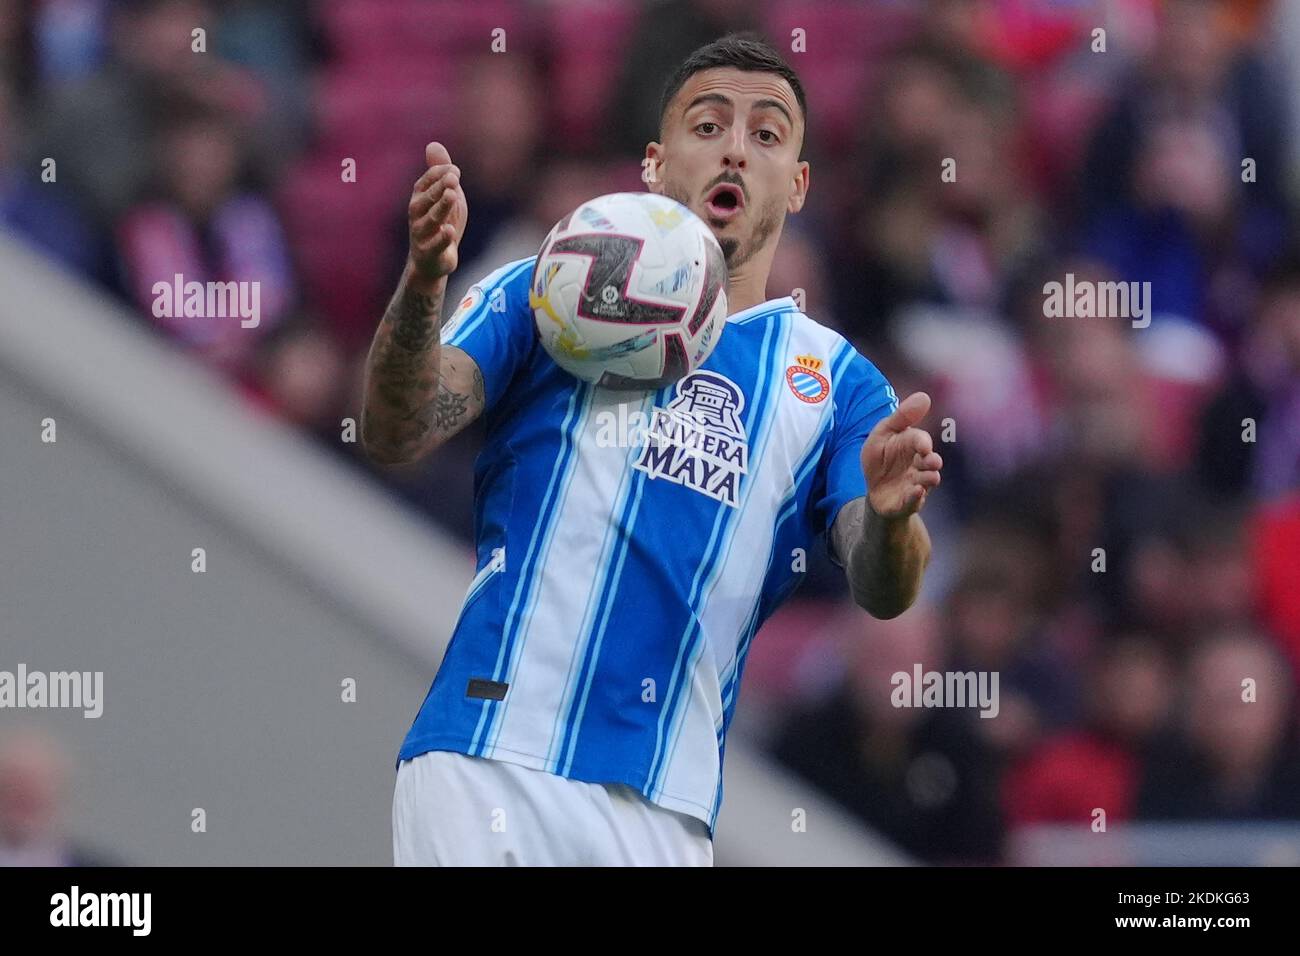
(681, 197)
(731, 247)
(767, 224)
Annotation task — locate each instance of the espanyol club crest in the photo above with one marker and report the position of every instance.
(699, 440)
(804, 379)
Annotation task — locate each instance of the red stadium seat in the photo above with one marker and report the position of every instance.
(365, 31)
(343, 235)
(587, 40)
(846, 43)
(838, 27)
(398, 102)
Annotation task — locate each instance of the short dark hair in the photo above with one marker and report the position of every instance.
(745, 50)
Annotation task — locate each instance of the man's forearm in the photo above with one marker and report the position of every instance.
(400, 407)
(886, 565)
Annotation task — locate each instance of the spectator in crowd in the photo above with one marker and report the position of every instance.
(1249, 438)
(502, 148)
(993, 624)
(34, 779)
(666, 33)
(1234, 755)
(298, 373)
(99, 129)
(69, 39)
(921, 776)
(40, 210)
(1183, 184)
(1274, 535)
(15, 46)
(1096, 764)
(276, 41)
(942, 215)
(204, 224)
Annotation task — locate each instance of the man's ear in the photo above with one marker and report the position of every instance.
(651, 168)
(799, 187)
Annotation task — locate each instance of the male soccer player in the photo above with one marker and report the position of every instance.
(579, 715)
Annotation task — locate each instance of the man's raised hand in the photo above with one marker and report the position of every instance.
(437, 215)
(899, 460)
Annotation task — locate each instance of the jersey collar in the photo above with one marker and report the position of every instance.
(771, 305)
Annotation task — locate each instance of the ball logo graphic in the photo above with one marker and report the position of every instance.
(629, 292)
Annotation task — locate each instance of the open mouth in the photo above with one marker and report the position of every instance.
(725, 201)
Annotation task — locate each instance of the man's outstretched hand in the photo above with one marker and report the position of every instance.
(436, 216)
(899, 460)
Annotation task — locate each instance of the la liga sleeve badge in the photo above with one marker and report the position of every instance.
(472, 298)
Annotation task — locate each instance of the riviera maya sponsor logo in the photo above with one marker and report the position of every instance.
(806, 380)
(699, 441)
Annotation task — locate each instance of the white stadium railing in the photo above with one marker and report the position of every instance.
(1211, 843)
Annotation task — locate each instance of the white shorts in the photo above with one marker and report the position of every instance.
(450, 809)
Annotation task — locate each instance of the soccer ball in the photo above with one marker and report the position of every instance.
(629, 291)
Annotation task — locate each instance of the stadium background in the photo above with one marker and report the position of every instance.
(1119, 689)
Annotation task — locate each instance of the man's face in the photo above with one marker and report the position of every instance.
(731, 155)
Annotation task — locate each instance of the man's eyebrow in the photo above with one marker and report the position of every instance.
(779, 105)
(707, 98)
(726, 101)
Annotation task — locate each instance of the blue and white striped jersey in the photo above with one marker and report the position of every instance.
(631, 544)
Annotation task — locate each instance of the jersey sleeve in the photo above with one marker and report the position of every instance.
(493, 324)
(862, 396)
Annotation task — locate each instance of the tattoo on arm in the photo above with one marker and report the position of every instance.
(458, 402)
(401, 369)
(448, 408)
(412, 316)
(847, 530)
(418, 391)
(884, 560)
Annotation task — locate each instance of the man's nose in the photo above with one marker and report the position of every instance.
(734, 154)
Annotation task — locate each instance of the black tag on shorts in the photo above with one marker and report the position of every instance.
(486, 689)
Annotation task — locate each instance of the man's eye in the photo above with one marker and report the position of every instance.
(702, 125)
(774, 138)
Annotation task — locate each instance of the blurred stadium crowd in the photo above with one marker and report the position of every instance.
(1119, 689)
